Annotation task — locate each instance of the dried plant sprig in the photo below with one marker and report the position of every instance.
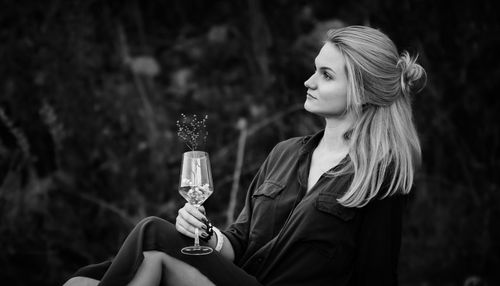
(192, 130)
(56, 128)
(18, 134)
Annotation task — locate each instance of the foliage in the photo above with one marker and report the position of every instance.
(91, 92)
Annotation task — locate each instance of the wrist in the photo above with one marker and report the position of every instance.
(220, 239)
(213, 236)
(212, 242)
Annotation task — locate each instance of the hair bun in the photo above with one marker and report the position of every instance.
(413, 76)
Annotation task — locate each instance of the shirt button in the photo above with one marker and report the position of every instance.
(260, 259)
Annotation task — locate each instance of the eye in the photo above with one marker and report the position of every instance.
(326, 76)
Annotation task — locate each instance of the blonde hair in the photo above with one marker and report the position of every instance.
(384, 145)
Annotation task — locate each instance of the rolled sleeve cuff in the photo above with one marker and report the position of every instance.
(238, 248)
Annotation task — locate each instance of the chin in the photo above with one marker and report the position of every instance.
(307, 107)
(313, 108)
(324, 113)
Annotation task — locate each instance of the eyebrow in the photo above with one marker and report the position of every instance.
(323, 68)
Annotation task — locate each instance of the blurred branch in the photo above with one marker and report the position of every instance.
(104, 205)
(65, 180)
(141, 68)
(255, 128)
(260, 41)
(22, 140)
(242, 126)
(53, 9)
(222, 153)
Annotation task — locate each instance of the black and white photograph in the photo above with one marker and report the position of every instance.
(249, 142)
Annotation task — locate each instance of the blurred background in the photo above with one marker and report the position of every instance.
(90, 92)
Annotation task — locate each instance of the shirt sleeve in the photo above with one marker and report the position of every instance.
(238, 232)
(379, 243)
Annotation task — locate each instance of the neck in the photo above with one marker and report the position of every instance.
(333, 138)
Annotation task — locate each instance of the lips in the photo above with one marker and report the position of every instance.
(310, 96)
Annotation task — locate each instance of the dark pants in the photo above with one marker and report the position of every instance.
(154, 233)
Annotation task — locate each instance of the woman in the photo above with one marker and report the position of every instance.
(323, 209)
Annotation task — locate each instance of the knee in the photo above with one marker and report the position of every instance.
(81, 281)
(150, 220)
(156, 232)
(155, 255)
(154, 224)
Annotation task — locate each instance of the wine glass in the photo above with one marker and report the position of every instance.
(196, 186)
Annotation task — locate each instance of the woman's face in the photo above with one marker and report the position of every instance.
(327, 87)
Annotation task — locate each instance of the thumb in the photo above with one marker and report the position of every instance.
(202, 210)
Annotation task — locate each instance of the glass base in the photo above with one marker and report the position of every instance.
(197, 250)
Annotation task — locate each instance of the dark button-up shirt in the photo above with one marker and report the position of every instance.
(285, 235)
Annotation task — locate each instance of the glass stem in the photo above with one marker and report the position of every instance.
(196, 238)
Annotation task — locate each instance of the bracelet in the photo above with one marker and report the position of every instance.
(220, 239)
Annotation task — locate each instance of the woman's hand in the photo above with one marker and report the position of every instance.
(190, 218)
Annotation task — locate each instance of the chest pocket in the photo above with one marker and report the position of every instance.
(265, 200)
(268, 189)
(327, 202)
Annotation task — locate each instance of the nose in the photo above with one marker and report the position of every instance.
(310, 83)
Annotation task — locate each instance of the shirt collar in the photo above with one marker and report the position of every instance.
(309, 143)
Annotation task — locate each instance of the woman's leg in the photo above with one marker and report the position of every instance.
(157, 265)
(155, 234)
(162, 236)
(81, 281)
(177, 272)
(150, 270)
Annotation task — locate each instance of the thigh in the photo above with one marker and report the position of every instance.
(81, 281)
(154, 233)
(179, 273)
(162, 236)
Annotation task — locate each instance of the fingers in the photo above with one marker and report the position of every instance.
(189, 230)
(195, 221)
(188, 219)
(185, 227)
(198, 213)
(180, 228)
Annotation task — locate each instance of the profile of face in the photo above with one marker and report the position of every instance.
(327, 87)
